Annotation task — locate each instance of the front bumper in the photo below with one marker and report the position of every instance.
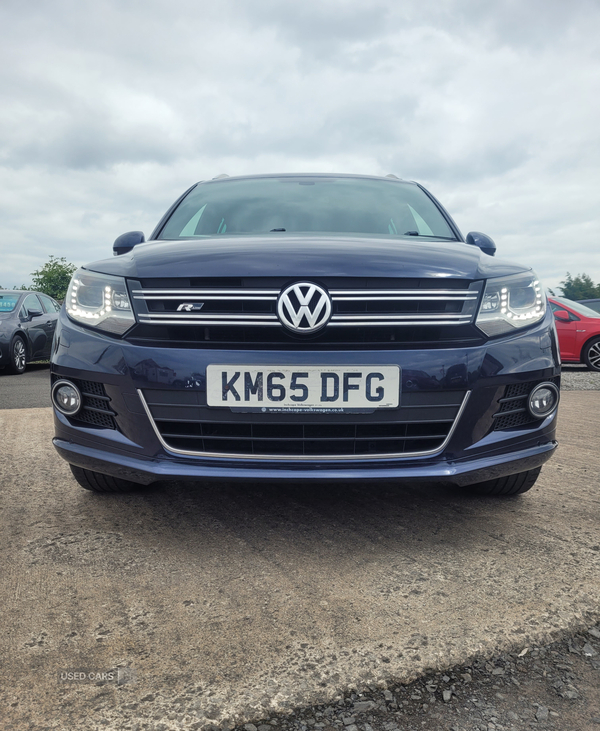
(147, 470)
(474, 453)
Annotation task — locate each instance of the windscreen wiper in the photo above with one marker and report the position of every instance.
(430, 236)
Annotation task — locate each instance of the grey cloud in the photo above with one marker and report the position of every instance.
(91, 141)
(352, 125)
(530, 25)
(462, 168)
(314, 23)
(111, 110)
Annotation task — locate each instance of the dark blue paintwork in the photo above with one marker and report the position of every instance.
(475, 451)
(300, 256)
(135, 452)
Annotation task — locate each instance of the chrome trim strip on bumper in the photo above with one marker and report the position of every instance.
(303, 458)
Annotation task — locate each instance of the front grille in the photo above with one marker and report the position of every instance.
(218, 313)
(513, 411)
(96, 405)
(421, 425)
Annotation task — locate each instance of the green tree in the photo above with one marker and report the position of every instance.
(54, 277)
(580, 287)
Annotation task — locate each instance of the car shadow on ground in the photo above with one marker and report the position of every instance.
(200, 519)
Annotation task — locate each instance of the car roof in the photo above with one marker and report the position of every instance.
(357, 176)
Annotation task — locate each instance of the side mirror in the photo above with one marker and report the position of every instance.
(35, 313)
(562, 315)
(126, 242)
(485, 243)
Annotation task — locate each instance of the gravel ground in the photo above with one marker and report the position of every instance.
(552, 687)
(578, 378)
(556, 686)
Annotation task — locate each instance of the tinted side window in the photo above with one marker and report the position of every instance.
(49, 304)
(31, 302)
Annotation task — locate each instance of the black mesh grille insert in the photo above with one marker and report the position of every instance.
(96, 405)
(421, 424)
(513, 411)
(511, 420)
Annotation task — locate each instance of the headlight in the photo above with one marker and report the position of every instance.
(510, 303)
(99, 300)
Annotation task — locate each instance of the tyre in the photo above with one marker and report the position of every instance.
(591, 354)
(97, 482)
(509, 485)
(17, 356)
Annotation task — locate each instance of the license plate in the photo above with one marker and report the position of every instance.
(303, 387)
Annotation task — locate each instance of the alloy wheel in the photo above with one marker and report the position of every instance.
(593, 355)
(19, 356)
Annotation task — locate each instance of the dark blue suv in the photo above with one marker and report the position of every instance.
(312, 327)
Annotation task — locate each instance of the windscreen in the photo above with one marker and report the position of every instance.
(307, 205)
(8, 302)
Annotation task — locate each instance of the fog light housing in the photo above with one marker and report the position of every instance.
(543, 400)
(66, 397)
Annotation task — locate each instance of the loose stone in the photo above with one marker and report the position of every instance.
(542, 713)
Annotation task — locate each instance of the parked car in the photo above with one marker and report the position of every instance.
(313, 327)
(593, 304)
(578, 329)
(27, 324)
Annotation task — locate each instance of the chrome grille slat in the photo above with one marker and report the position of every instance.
(425, 310)
(394, 295)
(210, 316)
(204, 321)
(390, 323)
(229, 298)
(141, 293)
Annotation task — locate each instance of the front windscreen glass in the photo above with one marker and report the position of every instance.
(307, 204)
(8, 302)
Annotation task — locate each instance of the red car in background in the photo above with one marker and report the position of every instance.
(578, 330)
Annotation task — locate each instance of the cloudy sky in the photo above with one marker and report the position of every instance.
(111, 109)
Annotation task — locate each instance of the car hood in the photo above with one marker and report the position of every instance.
(305, 256)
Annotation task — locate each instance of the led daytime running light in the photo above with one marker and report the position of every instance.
(100, 301)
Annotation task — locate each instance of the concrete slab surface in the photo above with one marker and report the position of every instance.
(224, 603)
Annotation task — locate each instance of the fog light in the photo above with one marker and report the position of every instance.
(543, 400)
(66, 397)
